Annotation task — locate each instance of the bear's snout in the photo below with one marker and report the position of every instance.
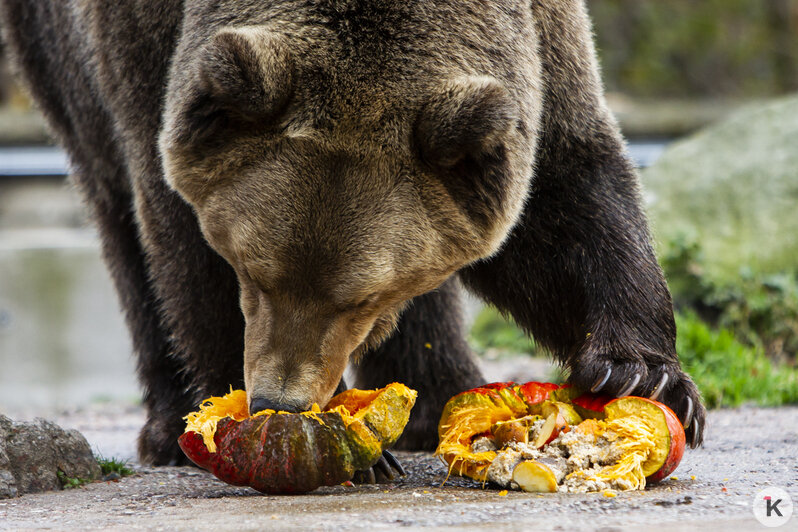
(258, 404)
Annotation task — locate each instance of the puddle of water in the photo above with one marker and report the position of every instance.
(62, 338)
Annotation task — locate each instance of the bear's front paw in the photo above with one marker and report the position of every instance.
(673, 387)
(625, 374)
(386, 469)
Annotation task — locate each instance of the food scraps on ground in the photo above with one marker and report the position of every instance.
(281, 452)
(541, 437)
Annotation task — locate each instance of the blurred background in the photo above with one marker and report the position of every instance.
(706, 93)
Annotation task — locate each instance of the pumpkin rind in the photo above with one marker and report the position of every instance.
(297, 453)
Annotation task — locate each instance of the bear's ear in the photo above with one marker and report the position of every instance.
(465, 117)
(243, 79)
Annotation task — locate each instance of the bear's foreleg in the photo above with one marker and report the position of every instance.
(164, 380)
(578, 271)
(49, 53)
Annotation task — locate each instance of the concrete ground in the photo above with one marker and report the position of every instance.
(746, 450)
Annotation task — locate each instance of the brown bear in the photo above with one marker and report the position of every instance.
(283, 187)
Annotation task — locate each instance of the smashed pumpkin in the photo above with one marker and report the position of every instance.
(281, 452)
(545, 437)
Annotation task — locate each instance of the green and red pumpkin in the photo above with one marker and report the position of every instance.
(281, 452)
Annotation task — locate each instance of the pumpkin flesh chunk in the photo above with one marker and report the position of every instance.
(214, 409)
(608, 456)
(618, 452)
(465, 421)
(651, 417)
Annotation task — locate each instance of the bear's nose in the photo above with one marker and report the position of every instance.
(261, 403)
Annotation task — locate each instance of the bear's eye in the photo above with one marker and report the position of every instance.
(363, 302)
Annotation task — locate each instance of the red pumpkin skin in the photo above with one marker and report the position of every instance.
(593, 403)
(536, 392)
(195, 449)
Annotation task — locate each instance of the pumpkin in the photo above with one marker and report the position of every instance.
(281, 452)
(544, 437)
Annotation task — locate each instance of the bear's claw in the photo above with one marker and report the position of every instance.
(382, 467)
(645, 375)
(695, 439)
(601, 381)
(688, 416)
(385, 469)
(679, 392)
(630, 386)
(660, 386)
(394, 463)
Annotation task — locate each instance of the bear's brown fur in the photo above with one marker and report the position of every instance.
(338, 164)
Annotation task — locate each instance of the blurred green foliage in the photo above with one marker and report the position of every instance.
(760, 309)
(729, 372)
(732, 188)
(492, 331)
(681, 48)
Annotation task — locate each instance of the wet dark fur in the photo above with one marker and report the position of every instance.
(578, 271)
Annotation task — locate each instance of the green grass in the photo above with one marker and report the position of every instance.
(113, 465)
(107, 465)
(728, 372)
(69, 483)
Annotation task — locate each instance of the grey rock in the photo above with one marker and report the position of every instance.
(32, 454)
(8, 485)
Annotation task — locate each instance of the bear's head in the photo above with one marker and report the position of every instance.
(340, 184)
